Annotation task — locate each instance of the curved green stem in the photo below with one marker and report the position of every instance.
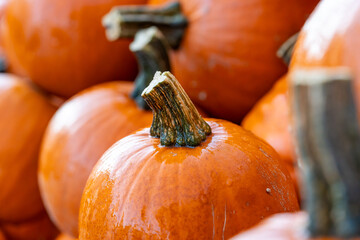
(125, 21)
(176, 120)
(150, 49)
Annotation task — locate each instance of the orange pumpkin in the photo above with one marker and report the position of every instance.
(24, 116)
(81, 131)
(227, 50)
(61, 45)
(145, 188)
(39, 227)
(329, 38)
(317, 46)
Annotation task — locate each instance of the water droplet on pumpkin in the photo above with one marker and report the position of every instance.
(202, 96)
(268, 190)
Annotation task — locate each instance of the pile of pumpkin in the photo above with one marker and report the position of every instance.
(77, 153)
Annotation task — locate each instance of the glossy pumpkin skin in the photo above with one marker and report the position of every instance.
(329, 38)
(80, 132)
(24, 116)
(283, 226)
(61, 45)
(141, 190)
(37, 228)
(269, 120)
(229, 50)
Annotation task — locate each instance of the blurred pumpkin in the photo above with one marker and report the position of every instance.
(61, 46)
(24, 116)
(226, 50)
(327, 39)
(37, 228)
(217, 180)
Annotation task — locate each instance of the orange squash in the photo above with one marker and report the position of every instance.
(317, 46)
(61, 45)
(217, 180)
(225, 50)
(80, 132)
(328, 39)
(24, 116)
(37, 228)
(83, 128)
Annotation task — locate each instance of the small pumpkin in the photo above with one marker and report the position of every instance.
(88, 124)
(36, 228)
(24, 116)
(61, 46)
(188, 178)
(225, 50)
(316, 46)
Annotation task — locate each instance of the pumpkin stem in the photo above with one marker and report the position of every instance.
(286, 50)
(125, 21)
(176, 120)
(328, 144)
(150, 49)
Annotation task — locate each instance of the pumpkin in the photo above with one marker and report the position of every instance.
(269, 120)
(184, 177)
(316, 46)
(61, 46)
(24, 116)
(333, 45)
(39, 227)
(87, 125)
(223, 49)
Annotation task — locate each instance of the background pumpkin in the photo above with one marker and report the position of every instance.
(317, 46)
(87, 125)
(140, 189)
(329, 38)
(23, 119)
(228, 48)
(61, 46)
(36, 228)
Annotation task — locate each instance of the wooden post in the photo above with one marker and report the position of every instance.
(328, 147)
